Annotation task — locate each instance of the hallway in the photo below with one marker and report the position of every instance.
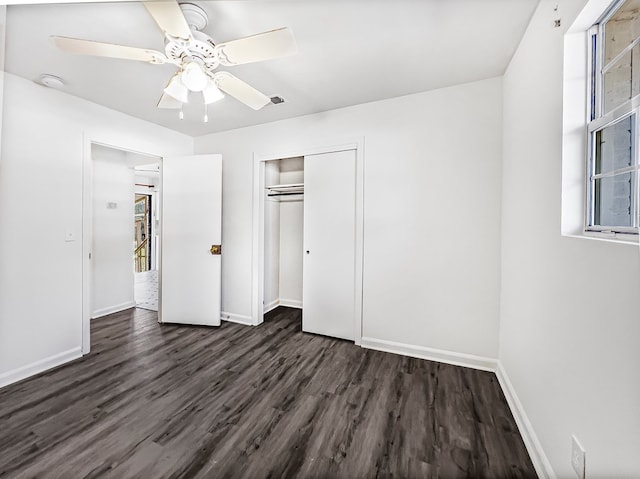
(146, 290)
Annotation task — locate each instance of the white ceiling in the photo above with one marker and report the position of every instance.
(350, 52)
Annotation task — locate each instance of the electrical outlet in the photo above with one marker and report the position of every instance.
(578, 457)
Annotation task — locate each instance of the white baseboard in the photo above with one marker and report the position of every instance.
(37, 367)
(531, 442)
(236, 318)
(291, 303)
(112, 309)
(432, 354)
(271, 306)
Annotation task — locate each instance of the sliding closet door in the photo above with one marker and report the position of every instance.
(329, 244)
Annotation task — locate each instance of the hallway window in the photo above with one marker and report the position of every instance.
(613, 127)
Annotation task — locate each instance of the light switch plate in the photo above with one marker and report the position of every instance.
(69, 235)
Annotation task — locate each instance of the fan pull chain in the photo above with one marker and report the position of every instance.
(181, 114)
(206, 113)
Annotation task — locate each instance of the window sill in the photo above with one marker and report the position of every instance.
(621, 238)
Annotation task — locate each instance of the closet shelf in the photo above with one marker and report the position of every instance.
(289, 187)
(282, 190)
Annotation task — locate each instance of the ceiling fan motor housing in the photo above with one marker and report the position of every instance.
(196, 17)
(200, 47)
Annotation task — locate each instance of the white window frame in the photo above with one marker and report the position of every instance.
(597, 121)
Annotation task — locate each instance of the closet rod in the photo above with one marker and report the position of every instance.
(286, 194)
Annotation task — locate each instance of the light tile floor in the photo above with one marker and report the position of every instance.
(146, 290)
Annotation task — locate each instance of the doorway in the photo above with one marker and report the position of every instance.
(115, 224)
(146, 239)
(142, 233)
(283, 228)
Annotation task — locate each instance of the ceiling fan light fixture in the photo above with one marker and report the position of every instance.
(212, 93)
(195, 55)
(194, 77)
(177, 90)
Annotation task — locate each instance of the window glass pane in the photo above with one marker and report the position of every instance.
(622, 81)
(613, 200)
(621, 29)
(613, 147)
(635, 70)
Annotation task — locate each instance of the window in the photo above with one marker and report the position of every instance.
(613, 125)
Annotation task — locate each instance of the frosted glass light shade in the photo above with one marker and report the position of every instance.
(211, 93)
(193, 77)
(177, 90)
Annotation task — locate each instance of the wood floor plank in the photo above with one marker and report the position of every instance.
(168, 401)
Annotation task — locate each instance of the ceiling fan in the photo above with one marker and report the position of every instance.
(195, 54)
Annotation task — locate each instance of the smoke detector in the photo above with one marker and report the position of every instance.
(51, 81)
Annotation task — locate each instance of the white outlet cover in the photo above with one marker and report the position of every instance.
(578, 457)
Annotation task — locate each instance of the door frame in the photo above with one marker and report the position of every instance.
(118, 143)
(258, 242)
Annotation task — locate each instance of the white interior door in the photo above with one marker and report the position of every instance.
(329, 244)
(191, 223)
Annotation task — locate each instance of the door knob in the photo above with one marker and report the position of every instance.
(307, 251)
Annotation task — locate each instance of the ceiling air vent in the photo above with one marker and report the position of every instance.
(277, 99)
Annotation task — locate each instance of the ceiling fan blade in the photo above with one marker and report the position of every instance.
(167, 102)
(240, 90)
(88, 47)
(169, 17)
(256, 48)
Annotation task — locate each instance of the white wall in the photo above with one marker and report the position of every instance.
(112, 281)
(291, 229)
(291, 236)
(432, 211)
(3, 31)
(41, 186)
(569, 310)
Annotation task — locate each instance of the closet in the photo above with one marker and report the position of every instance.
(310, 240)
(283, 215)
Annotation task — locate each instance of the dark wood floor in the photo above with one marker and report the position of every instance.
(253, 402)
